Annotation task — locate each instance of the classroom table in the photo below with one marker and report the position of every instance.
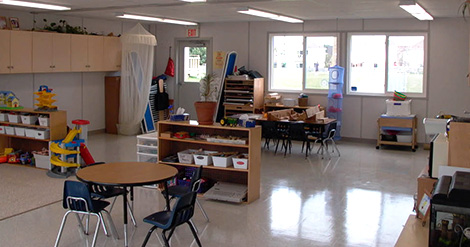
(128, 174)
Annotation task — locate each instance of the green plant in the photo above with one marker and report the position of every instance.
(63, 27)
(208, 87)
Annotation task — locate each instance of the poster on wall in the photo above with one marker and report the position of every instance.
(219, 59)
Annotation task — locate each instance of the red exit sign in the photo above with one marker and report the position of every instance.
(192, 32)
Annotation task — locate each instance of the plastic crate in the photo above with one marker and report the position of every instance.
(186, 156)
(223, 161)
(29, 119)
(241, 163)
(203, 158)
(42, 161)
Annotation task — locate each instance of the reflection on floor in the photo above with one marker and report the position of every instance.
(362, 198)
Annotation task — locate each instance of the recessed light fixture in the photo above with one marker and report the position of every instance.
(156, 19)
(34, 5)
(264, 14)
(415, 10)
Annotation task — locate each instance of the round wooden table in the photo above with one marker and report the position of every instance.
(127, 174)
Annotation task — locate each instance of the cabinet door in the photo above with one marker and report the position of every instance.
(79, 53)
(21, 51)
(112, 54)
(61, 52)
(95, 53)
(4, 51)
(42, 52)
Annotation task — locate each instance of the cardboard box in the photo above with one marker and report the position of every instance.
(425, 184)
(398, 108)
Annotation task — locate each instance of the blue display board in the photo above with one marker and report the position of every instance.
(147, 123)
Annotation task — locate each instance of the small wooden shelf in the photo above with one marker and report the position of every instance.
(250, 177)
(205, 142)
(400, 123)
(251, 89)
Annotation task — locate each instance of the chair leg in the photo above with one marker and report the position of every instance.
(80, 223)
(112, 205)
(61, 228)
(303, 144)
(111, 224)
(202, 209)
(148, 236)
(87, 223)
(165, 240)
(334, 145)
(131, 213)
(103, 224)
(195, 235)
(277, 145)
(97, 228)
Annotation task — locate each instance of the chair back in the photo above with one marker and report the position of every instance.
(297, 132)
(196, 179)
(331, 131)
(282, 129)
(268, 129)
(183, 210)
(77, 197)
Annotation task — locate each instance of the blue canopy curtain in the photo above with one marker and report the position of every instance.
(136, 75)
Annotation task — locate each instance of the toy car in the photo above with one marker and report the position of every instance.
(229, 121)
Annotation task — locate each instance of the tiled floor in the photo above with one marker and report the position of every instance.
(362, 198)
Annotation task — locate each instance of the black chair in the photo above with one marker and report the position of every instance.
(77, 199)
(268, 132)
(180, 190)
(282, 133)
(169, 220)
(298, 132)
(107, 192)
(326, 136)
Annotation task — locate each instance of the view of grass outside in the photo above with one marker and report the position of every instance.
(194, 63)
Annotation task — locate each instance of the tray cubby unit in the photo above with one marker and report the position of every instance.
(250, 177)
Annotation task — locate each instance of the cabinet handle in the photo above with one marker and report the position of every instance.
(51, 66)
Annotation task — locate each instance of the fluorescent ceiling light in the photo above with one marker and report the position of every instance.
(264, 14)
(33, 5)
(415, 10)
(194, 1)
(156, 19)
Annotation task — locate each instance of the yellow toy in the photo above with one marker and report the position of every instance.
(45, 99)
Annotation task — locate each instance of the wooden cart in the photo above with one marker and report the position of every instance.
(397, 123)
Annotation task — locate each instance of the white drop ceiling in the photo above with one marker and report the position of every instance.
(225, 10)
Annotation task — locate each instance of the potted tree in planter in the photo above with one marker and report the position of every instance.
(205, 109)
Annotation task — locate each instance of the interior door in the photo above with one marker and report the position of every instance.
(194, 61)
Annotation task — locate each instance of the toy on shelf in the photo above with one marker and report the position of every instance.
(4, 155)
(67, 154)
(45, 99)
(8, 100)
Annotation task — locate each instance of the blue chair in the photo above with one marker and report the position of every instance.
(167, 220)
(180, 190)
(77, 199)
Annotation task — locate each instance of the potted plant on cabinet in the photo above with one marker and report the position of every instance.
(205, 109)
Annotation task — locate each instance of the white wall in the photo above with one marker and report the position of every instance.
(447, 63)
(80, 94)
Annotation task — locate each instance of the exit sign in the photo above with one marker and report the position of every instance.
(192, 32)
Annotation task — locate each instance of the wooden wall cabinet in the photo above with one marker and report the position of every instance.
(112, 53)
(250, 177)
(243, 96)
(16, 51)
(87, 53)
(51, 52)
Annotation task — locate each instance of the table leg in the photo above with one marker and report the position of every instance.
(167, 198)
(124, 199)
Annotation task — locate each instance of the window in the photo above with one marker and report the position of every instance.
(194, 61)
(289, 53)
(382, 63)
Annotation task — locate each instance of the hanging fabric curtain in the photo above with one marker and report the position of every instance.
(136, 76)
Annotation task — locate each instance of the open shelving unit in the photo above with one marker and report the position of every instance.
(57, 128)
(243, 96)
(250, 177)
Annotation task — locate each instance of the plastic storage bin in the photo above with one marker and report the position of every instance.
(144, 157)
(3, 117)
(9, 130)
(223, 161)
(398, 108)
(41, 134)
(203, 158)
(404, 138)
(30, 132)
(186, 156)
(29, 119)
(241, 163)
(42, 161)
(19, 131)
(14, 118)
(2, 129)
(44, 121)
(147, 149)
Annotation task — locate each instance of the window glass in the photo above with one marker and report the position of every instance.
(406, 64)
(367, 64)
(286, 63)
(321, 54)
(194, 63)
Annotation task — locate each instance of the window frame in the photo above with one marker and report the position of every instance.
(304, 59)
(387, 35)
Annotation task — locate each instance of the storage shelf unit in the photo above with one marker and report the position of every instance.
(249, 177)
(57, 127)
(243, 96)
(147, 147)
(407, 124)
